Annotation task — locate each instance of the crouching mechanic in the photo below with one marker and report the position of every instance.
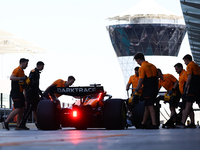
(32, 94)
(170, 83)
(58, 83)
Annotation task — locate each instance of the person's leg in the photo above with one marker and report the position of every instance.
(12, 114)
(35, 115)
(186, 112)
(19, 116)
(191, 114)
(27, 112)
(146, 115)
(153, 114)
(173, 111)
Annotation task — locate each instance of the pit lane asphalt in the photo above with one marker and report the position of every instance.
(92, 139)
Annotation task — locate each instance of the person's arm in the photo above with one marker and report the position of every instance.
(159, 86)
(188, 83)
(49, 88)
(139, 84)
(128, 86)
(14, 78)
(175, 84)
(188, 80)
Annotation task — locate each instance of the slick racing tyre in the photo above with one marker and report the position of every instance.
(115, 114)
(48, 115)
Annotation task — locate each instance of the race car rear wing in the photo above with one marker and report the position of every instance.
(79, 91)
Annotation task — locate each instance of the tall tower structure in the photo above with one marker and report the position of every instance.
(147, 28)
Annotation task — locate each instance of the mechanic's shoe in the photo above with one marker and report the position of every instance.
(5, 125)
(180, 125)
(152, 127)
(21, 128)
(129, 123)
(192, 125)
(142, 126)
(36, 124)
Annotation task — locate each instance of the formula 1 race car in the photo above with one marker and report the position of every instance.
(96, 109)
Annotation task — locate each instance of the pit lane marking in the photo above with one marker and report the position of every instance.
(60, 140)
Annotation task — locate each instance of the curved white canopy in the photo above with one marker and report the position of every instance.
(146, 9)
(10, 43)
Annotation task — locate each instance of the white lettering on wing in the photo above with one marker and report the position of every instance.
(67, 90)
(59, 90)
(73, 90)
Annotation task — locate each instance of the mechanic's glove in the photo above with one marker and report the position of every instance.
(171, 91)
(136, 90)
(23, 78)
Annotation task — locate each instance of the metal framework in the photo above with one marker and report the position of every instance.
(191, 13)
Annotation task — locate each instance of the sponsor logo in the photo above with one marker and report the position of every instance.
(76, 90)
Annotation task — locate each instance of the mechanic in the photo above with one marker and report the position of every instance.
(32, 94)
(134, 81)
(17, 93)
(191, 88)
(147, 77)
(58, 83)
(182, 81)
(170, 83)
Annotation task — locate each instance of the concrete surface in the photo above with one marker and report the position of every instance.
(29, 125)
(129, 139)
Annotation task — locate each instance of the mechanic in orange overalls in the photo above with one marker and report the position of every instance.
(170, 83)
(134, 81)
(191, 88)
(182, 81)
(148, 78)
(58, 83)
(17, 93)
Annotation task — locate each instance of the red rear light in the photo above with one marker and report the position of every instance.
(74, 113)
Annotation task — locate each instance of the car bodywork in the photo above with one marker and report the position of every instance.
(95, 109)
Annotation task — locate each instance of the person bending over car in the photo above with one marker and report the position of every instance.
(170, 83)
(58, 83)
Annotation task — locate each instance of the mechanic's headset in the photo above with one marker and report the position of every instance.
(25, 83)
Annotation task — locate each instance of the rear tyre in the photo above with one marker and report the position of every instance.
(48, 117)
(115, 114)
(137, 114)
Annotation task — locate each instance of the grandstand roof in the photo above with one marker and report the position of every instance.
(10, 43)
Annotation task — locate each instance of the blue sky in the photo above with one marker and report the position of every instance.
(75, 33)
